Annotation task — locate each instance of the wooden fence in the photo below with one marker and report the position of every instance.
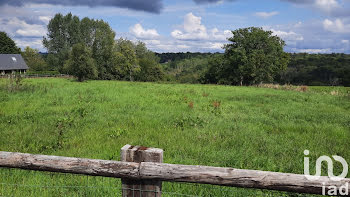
(142, 172)
(39, 76)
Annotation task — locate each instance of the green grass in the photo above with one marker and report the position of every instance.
(253, 128)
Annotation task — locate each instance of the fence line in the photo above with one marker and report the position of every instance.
(170, 172)
(39, 75)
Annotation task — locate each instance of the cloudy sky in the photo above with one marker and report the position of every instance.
(314, 26)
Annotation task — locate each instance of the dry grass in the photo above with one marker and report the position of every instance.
(216, 104)
(190, 105)
(334, 93)
(205, 94)
(284, 87)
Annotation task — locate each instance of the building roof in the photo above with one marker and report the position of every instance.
(12, 62)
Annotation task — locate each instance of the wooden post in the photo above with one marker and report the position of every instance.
(142, 188)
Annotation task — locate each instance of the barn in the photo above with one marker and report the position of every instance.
(12, 63)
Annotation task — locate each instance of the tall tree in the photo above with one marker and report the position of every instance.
(66, 31)
(127, 61)
(7, 45)
(253, 56)
(150, 69)
(103, 49)
(80, 63)
(57, 40)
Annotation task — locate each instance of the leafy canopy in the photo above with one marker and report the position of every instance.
(80, 64)
(7, 45)
(253, 56)
(34, 60)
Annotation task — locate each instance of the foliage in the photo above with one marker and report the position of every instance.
(189, 70)
(317, 69)
(103, 49)
(7, 45)
(216, 65)
(150, 69)
(126, 58)
(173, 57)
(45, 72)
(303, 69)
(34, 60)
(239, 127)
(121, 59)
(253, 56)
(66, 31)
(14, 83)
(80, 63)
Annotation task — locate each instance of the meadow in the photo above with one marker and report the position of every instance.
(226, 126)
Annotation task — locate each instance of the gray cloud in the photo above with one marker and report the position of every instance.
(209, 1)
(329, 8)
(153, 6)
(316, 38)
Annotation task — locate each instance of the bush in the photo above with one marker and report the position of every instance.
(80, 63)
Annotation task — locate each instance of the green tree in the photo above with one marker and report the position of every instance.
(57, 42)
(34, 60)
(150, 69)
(80, 63)
(103, 49)
(7, 45)
(127, 62)
(97, 35)
(253, 56)
(214, 72)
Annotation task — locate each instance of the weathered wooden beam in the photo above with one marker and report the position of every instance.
(172, 172)
(238, 178)
(142, 188)
(72, 165)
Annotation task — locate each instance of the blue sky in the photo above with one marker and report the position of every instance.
(313, 26)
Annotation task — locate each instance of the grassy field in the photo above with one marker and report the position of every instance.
(240, 127)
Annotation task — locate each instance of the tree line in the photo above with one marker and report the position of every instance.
(87, 49)
(302, 69)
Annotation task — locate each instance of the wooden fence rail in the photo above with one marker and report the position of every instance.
(170, 172)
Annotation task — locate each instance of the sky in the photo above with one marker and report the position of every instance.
(312, 26)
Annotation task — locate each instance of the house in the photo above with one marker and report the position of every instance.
(12, 63)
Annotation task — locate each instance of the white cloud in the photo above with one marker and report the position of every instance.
(193, 24)
(33, 43)
(192, 29)
(333, 8)
(288, 36)
(152, 42)
(345, 41)
(215, 46)
(17, 27)
(266, 14)
(139, 32)
(336, 26)
(327, 5)
(328, 50)
(45, 19)
(220, 36)
(183, 46)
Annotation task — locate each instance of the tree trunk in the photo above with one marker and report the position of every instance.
(130, 73)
